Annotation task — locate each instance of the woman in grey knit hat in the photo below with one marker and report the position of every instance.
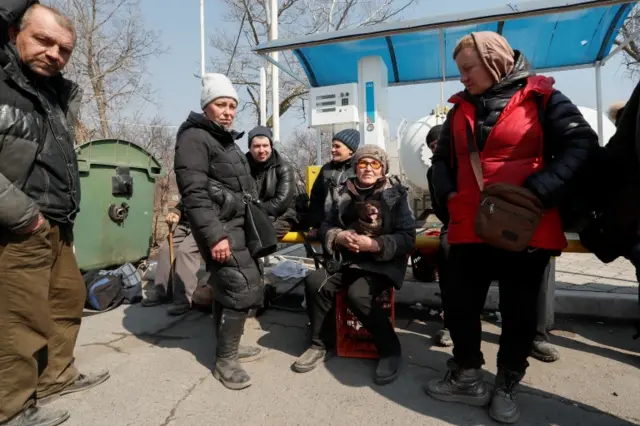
(213, 176)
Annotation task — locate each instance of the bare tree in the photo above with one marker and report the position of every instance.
(159, 140)
(295, 17)
(109, 61)
(630, 39)
(300, 151)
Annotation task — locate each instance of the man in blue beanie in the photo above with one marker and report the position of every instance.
(333, 174)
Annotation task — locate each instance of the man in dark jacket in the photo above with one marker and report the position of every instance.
(186, 266)
(274, 178)
(213, 176)
(442, 337)
(372, 230)
(332, 175)
(42, 293)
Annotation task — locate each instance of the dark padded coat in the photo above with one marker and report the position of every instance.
(38, 163)
(212, 175)
(398, 237)
(569, 141)
(332, 175)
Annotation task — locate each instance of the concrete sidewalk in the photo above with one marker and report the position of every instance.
(160, 368)
(584, 287)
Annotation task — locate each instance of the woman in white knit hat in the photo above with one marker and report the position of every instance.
(212, 175)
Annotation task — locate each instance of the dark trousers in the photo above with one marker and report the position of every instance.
(363, 289)
(541, 328)
(42, 296)
(471, 268)
(633, 256)
(443, 254)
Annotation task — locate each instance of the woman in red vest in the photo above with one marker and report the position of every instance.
(527, 134)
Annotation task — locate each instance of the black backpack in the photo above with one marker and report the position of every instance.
(104, 292)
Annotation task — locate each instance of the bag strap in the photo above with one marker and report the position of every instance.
(474, 157)
(246, 197)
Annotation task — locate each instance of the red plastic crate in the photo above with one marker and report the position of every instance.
(353, 340)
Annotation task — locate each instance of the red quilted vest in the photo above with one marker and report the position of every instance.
(512, 152)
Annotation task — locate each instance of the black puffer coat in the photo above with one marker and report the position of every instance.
(332, 175)
(569, 141)
(212, 173)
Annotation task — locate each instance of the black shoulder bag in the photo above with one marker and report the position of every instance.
(260, 235)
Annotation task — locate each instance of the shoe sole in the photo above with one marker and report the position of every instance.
(305, 369)
(59, 421)
(48, 399)
(231, 385)
(544, 358)
(499, 419)
(250, 358)
(467, 400)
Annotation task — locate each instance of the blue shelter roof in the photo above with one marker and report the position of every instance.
(552, 34)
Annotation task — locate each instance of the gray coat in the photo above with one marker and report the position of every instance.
(398, 236)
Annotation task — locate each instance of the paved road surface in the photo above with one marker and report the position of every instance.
(161, 376)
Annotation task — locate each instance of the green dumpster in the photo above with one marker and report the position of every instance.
(115, 222)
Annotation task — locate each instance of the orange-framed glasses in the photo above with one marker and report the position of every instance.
(363, 164)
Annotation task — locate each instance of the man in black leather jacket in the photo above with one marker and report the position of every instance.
(275, 179)
(41, 289)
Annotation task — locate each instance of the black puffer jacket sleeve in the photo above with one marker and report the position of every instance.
(12, 10)
(317, 200)
(570, 144)
(439, 210)
(285, 191)
(444, 179)
(191, 166)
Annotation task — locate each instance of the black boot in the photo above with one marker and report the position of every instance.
(460, 385)
(228, 369)
(245, 353)
(504, 406)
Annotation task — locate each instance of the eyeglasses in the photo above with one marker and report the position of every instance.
(375, 165)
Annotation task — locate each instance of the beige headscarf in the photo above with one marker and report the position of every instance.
(495, 53)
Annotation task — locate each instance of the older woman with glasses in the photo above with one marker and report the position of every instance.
(369, 235)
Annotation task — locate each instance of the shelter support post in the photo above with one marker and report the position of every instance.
(275, 76)
(599, 102)
(263, 96)
(202, 67)
(318, 147)
(443, 60)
